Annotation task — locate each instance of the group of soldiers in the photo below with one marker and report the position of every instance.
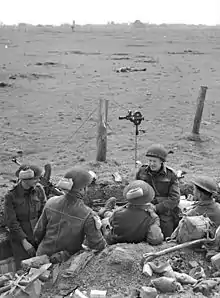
(60, 226)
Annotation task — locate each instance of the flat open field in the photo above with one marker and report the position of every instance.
(57, 78)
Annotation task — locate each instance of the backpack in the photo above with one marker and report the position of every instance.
(192, 228)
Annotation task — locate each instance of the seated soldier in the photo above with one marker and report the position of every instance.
(204, 188)
(166, 186)
(66, 221)
(136, 221)
(23, 206)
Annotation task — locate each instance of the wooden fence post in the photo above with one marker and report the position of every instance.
(102, 130)
(198, 115)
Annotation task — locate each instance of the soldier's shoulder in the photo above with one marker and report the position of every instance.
(13, 189)
(54, 201)
(171, 171)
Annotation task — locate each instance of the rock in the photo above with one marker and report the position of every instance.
(197, 272)
(98, 294)
(148, 292)
(193, 264)
(44, 276)
(147, 270)
(206, 286)
(35, 262)
(79, 294)
(121, 259)
(166, 284)
(184, 278)
(63, 286)
(215, 260)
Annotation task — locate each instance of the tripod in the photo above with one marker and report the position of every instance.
(135, 118)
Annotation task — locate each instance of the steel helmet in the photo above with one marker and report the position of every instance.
(157, 150)
(138, 192)
(80, 177)
(206, 183)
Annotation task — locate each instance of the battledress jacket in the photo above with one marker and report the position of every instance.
(167, 195)
(165, 185)
(134, 224)
(64, 224)
(22, 210)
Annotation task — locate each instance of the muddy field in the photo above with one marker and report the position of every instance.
(55, 79)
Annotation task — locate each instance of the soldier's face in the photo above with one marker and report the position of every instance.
(30, 182)
(154, 163)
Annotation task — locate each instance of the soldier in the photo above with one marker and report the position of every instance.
(66, 220)
(136, 221)
(204, 188)
(23, 206)
(166, 186)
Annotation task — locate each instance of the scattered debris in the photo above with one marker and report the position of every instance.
(147, 60)
(117, 177)
(94, 176)
(78, 262)
(197, 273)
(78, 294)
(4, 85)
(206, 286)
(166, 284)
(120, 58)
(55, 272)
(47, 63)
(31, 76)
(82, 53)
(215, 260)
(130, 69)
(122, 258)
(191, 52)
(98, 294)
(35, 262)
(25, 285)
(193, 264)
(148, 292)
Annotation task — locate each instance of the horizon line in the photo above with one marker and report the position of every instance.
(109, 23)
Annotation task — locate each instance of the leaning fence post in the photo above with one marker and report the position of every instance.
(102, 130)
(198, 115)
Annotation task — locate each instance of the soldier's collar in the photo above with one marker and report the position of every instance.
(22, 190)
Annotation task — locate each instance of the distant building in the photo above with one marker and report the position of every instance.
(138, 24)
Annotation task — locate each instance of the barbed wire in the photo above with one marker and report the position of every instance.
(85, 121)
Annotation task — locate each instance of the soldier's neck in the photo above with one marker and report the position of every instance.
(24, 185)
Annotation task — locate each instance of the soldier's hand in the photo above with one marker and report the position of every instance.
(98, 222)
(151, 209)
(29, 248)
(59, 257)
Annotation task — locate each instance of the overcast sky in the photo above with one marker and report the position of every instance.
(103, 11)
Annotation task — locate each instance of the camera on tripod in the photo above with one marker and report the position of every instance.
(135, 118)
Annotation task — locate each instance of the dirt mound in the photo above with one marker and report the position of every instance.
(118, 269)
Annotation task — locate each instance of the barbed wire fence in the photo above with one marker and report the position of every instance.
(114, 105)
